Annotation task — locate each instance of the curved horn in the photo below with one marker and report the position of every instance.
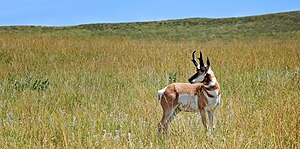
(194, 61)
(201, 60)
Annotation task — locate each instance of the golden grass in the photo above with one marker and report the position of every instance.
(102, 93)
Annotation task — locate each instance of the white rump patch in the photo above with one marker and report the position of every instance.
(188, 103)
(160, 92)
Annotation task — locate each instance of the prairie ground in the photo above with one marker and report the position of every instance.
(100, 92)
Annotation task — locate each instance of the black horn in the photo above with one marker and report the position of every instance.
(201, 60)
(193, 59)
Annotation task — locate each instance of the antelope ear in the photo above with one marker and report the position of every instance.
(207, 62)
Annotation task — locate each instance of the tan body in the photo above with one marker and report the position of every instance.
(174, 92)
(202, 95)
(199, 97)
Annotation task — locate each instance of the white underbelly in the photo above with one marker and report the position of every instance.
(188, 103)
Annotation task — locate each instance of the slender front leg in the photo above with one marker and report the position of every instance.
(211, 119)
(203, 118)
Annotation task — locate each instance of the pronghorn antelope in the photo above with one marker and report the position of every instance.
(202, 95)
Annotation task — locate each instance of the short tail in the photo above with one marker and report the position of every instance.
(160, 93)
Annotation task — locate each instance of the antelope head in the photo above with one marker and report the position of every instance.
(201, 69)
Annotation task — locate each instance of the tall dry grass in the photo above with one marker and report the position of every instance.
(101, 93)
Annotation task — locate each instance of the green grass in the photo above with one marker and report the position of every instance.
(279, 26)
(64, 90)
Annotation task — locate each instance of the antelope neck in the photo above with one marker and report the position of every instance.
(207, 79)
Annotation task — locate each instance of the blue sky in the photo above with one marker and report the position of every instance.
(74, 12)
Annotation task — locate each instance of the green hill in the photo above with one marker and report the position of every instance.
(280, 25)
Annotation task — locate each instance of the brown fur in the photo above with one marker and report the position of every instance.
(169, 101)
(169, 97)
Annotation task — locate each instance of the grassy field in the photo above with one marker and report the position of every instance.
(67, 91)
(277, 26)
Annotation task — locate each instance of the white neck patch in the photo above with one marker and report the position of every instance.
(213, 81)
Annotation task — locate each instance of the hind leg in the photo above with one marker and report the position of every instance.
(168, 116)
(163, 124)
(177, 110)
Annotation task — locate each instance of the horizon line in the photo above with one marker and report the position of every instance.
(145, 21)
